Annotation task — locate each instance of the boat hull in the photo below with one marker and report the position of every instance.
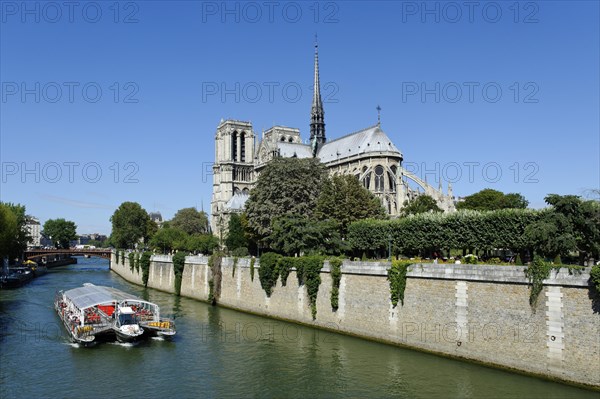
(129, 336)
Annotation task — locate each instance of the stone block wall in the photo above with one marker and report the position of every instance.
(475, 312)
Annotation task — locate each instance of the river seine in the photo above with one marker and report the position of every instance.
(223, 353)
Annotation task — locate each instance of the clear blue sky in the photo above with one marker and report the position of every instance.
(175, 58)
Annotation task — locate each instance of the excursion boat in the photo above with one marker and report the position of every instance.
(91, 313)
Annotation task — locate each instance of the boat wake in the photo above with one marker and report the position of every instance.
(125, 344)
(158, 338)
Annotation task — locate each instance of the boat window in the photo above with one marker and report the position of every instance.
(126, 319)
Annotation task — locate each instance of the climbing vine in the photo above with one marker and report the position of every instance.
(252, 268)
(211, 291)
(311, 275)
(123, 258)
(214, 284)
(145, 265)
(335, 265)
(268, 271)
(235, 262)
(137, 262)
(178, 265)
(536, 273)
(131, 258)
(397, 278)
(595, 277)
(117, 257)
(285, 266)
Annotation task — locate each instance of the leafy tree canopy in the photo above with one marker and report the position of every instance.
(421, 204)
(571, 224)
(8, 230)
(489, 199)
(190, 220)
(344, 200)
(236, 238)
(286, 186)
(129, 225)
(295, 235)
(21, 238)
(202, 243)
(61, 232)
(169, 239)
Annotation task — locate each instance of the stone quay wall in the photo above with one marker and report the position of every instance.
(475, 312)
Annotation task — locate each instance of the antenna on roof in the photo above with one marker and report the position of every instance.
(378, 115)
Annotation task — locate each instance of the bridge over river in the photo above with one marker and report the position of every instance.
(38, 253)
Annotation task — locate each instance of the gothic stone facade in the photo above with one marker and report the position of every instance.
(368, 154)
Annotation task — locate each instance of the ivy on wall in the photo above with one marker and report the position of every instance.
(211, 291)
(252, 268)
(335, 265)
(145, 266)
(235, 262)
(595, 277)
(311, 275)
(131, 258)
(178, 265)
(536, 273)
(397, 278)
(268, 271)
(285, 266)
(214, 284)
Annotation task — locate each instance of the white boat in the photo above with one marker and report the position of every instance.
(95, 312)
(127, 327)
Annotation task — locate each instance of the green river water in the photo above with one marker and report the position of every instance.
(224, 353)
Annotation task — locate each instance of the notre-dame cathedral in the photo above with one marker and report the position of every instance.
(368, 154)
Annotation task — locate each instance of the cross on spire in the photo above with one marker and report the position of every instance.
(378, 115)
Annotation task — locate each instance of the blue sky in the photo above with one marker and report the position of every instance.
(110, 102)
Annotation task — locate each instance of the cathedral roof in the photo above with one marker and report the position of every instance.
(237, 202)
(289, 150)
(369, 140)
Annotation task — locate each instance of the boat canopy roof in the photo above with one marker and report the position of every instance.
(92, 295)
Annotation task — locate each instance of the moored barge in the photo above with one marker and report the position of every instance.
(92, 312)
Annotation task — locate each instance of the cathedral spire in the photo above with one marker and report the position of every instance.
(317, 115)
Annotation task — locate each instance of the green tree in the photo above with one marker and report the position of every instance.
(129, 225)
(571, 224)
(202, 243)
(190, 220)
(489, 199)
(344, 200)
(169, 239)
(151, 229)
(236, 237)
(286, 186)
(295, 235)
(8, 230)
(421, 204)
(21, 239)
(61, 231)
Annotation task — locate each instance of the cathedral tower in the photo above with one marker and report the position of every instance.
(233, 171)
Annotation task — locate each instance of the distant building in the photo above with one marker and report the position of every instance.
(156, 217)
(34, 229)
(84, 239)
